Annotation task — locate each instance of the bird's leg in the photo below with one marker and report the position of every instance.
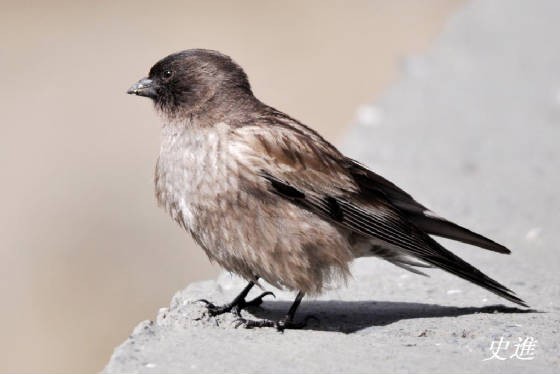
(287, 322)
(237, 304)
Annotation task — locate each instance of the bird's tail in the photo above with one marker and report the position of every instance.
(453, 264)
(435, 225)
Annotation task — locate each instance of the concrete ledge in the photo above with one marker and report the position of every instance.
(385, 320)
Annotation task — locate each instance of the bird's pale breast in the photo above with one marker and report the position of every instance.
(209, 183)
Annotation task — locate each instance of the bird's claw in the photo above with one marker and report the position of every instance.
(235, 308)
(214, 310)
(289, 324)
(204, 301)
(259, 299)
(249, 323)
(281, 325)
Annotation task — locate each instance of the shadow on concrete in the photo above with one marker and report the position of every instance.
(352, 316)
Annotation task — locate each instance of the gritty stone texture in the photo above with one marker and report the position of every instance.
(472, 131)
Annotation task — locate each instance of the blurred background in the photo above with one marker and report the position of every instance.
(86, 254)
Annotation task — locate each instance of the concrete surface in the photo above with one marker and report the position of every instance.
(472, 131)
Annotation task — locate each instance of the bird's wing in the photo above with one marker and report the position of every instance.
(423, 218)
(306, 170)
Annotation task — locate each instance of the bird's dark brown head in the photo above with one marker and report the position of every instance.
(185, 82)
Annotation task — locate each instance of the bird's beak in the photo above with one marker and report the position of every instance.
(144, 87)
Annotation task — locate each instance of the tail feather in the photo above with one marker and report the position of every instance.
(410, 268)
(408, 263)
(455, 265)
(426, 222)
(415, 212)
(441, 227)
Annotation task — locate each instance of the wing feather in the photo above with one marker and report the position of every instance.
(297, 164)
(416, 213)
(379, 220)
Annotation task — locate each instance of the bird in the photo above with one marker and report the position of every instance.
(267, 197)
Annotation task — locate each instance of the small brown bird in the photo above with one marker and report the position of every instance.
(267, 197)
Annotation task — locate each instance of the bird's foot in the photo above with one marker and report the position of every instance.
(286, 323)
(216, 310)
(258, 300)
(235, 306)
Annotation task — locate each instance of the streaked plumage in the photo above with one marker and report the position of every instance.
(266, 196)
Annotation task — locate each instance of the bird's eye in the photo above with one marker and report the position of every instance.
(167, 74)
